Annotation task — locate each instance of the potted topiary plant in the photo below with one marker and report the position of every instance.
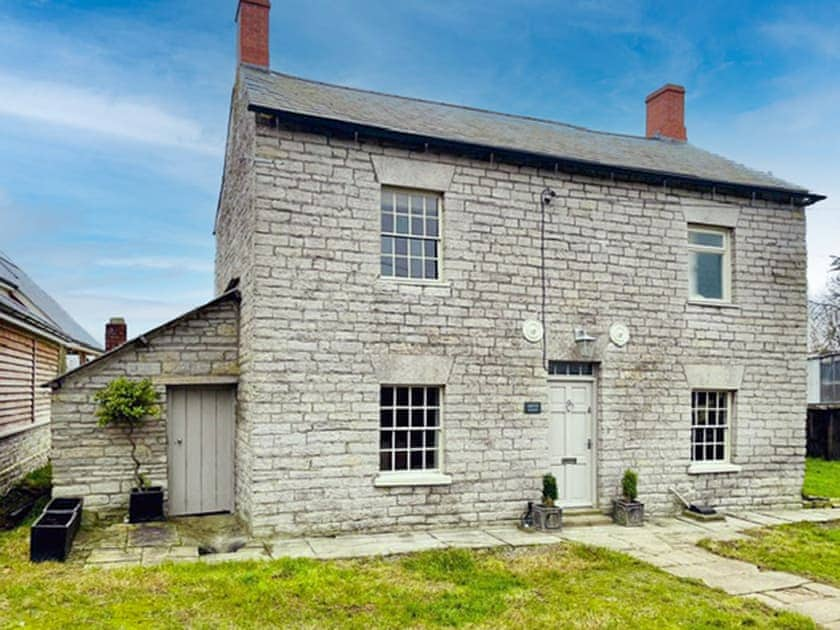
(546, 515)
(127, 404)
(626, 510)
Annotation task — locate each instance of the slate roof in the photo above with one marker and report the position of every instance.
(275, 92)
(47, 314)
(231, 294)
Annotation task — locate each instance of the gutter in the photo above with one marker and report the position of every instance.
(330, 126)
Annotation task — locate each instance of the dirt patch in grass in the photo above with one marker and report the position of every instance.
(561, 586)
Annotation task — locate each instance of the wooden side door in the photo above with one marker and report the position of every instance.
(200, 429)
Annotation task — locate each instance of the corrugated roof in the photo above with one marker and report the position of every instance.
(283, 93)
(38, 308)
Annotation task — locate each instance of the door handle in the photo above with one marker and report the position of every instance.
(589, 444)
(179, 441)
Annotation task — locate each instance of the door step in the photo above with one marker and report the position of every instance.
(584, 517)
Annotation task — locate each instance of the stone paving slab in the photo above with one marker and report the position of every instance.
(760, 519)
(235, 556)
(518, 538)
(823, 611)
(466, 538)
(114, 556)
(153, 535)
(291, 548)
(358, 545)
(796, 594)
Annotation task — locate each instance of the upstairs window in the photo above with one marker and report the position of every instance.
(710, 417)
(410, 243)
(709, 263)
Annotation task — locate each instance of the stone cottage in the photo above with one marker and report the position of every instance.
(436, 305)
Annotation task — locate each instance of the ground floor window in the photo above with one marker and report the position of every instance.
(710, 418)
(409, 428)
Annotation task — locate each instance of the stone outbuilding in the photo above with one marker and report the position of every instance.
(193, 363)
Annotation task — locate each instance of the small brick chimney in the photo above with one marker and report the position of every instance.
(666, 113)
(252, 35)
(115, 333)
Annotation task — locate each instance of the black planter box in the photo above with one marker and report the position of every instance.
(51, 537)
(628, 513)
(66, 504)
(145, 505)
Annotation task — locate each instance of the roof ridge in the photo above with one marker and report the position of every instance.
(526, 137)
(471, 108)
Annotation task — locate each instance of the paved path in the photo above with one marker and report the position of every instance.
(670, 544)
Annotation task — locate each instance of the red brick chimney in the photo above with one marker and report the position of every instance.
(666, 113)
(252, 35)
(115, 333)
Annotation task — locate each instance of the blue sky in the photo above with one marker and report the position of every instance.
(113, 114)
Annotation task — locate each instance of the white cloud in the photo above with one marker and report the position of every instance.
(796, 32)
(159, 262)
(93, 310)
(119, 116)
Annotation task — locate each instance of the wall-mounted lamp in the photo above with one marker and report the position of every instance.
(585, 343)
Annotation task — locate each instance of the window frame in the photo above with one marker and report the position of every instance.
(440, 255)
(412, 476)
(713, 465)
(726, 263)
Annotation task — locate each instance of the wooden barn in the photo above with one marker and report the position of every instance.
(38, 340)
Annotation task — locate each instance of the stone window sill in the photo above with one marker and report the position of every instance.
(413, 282)
(703, 468)
(391, 479)
(714, 304)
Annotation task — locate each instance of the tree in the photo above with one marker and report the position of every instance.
(824, 314)
(128, 404)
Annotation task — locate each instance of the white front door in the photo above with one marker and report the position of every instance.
(571, 441)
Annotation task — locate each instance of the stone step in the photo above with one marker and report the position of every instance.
(585, 518)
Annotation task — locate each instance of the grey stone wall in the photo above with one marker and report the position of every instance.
(22, 451)
(322, 321)
(235, 230)
(94, 462)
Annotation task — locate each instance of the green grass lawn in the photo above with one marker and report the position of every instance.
(822, 478)
(809, 549)
(568, 586)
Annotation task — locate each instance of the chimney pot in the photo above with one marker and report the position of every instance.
(115, 333)
(252, 33)
(666, 113)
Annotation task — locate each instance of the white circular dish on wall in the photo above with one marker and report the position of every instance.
(532, 330)
(619, 334)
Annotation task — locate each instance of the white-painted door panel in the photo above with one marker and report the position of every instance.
(570, 441)
(200, 423)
